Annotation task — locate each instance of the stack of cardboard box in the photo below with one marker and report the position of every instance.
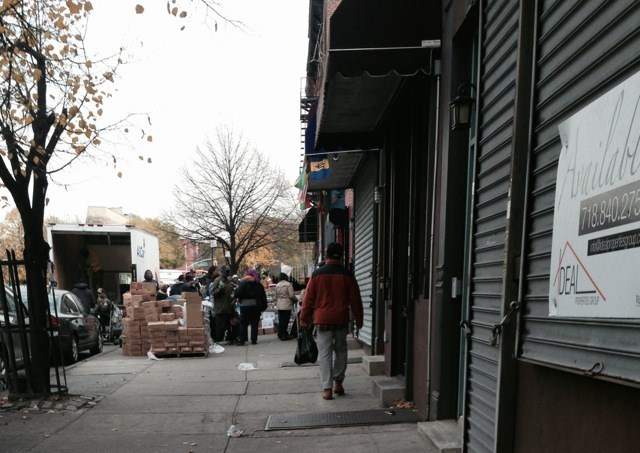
(135, 335)
(161, 327)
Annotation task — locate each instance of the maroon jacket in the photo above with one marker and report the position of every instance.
(331, 292)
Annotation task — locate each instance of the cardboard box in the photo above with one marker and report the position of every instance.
(167, 316)
(193, 313)
(192, 297)
(156, 326)
(143, 289)
(171, 325)
(137, 313)
(149, 304)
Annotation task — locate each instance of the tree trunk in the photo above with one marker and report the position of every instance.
(36, 256)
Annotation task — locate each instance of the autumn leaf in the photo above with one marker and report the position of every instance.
(74, 8)
(88, 6)
(183, 14)
(141, 157)
(149, 160)
(108, 76)
(119, 174)
(174, 10)
(149, 138)
(139, 9)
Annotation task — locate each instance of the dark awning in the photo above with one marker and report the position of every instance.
(308, 228)
(373, 46)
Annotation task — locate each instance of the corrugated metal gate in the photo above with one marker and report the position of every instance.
(583, 50)
(498, 47)
(364, 238)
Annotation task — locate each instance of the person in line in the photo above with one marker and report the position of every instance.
(332, 296)
(265, 279)
(250, 293)
(221, 291)
(84, 293)
(285, 301)
(103, 310)
(189, 285)
(208, 278)
(177, 286)
(161, 294)
(148, 277)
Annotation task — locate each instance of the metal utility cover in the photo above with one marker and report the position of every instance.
(294, 364)
(346, 418)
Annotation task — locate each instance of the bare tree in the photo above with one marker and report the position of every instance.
(234, 195)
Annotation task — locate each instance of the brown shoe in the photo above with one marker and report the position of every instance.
(327, 394)
(338, 389)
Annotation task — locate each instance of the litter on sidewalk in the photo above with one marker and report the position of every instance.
(246, 367)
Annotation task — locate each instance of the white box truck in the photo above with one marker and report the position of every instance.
(102, 256)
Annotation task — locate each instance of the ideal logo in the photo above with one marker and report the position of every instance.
(572, 277)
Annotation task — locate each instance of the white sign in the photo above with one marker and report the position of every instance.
(596, 225)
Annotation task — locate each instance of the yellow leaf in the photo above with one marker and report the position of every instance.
(37, 73)
(88, 6)
(139, 9)
(149, 138)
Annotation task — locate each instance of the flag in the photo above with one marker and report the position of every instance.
(319, 167)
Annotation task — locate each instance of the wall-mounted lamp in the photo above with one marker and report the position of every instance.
(461, 107)
(377, 194)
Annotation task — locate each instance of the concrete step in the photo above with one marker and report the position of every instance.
(443, 436)
(373, 364)
(388, 390)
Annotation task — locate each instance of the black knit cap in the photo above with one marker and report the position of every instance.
(334, 251)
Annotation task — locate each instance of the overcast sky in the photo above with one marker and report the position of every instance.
(190, 82)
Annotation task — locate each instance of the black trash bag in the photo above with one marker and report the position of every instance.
(307, 349)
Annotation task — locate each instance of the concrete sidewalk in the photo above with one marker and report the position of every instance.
(188, 405)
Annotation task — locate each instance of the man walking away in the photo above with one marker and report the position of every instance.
(332, 296)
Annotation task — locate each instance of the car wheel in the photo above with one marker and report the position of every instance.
(4, 370)
(97, 349)
(71, 355)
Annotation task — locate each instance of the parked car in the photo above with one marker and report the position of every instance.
(74, 330)
(7, 304)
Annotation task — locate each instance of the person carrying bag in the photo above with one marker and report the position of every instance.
(330, 299)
